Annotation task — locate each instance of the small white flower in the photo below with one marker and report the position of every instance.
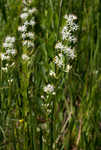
(32, 22)
(25, 57)
(26, 23)
(42, 97)
(24, 15)
(25, 43)
(54, 93)
(59, 45)
(30, 1)
(12, 64)
(30, 35)
(61, 55)
(8, 45)
(4, 69)
(52, 73)
(11, 51)
(71, 54)
(58, 60)
(24, 35)
(66, 16)
(28, 43)
(24, 1)
(22, 28)
(49, 88)
(38, 129)
(96, 72)
(9, 39)
(4, 57)
(31, 11)
(5, 45)
(72, 16)
(67, 50)
(74, 27)
(25, 9)
(68, 67)
(66, 33)
(72, 39)
(10, 81)
(7, 65)
(49, 110)
(8, 51)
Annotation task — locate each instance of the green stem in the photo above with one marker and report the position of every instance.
(51, 128)
(41, 139)
(60, 10)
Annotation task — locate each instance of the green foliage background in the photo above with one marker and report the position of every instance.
(75, 121)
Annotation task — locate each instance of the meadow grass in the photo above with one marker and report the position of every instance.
(43, 110)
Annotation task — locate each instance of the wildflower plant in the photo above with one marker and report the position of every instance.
(65, 48)
(58, 73)
(8, 56)
(27, 37)
(15, 62)
(26, 28)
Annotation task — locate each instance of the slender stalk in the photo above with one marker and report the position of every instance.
(52, 127)
(41, 144)
(60, 12)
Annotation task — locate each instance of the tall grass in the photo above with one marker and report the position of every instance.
(31, 119)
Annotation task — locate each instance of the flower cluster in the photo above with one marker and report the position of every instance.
(49, 89)
(69, 28)
(69, 39)
(9, 53)
(52, 73)
(58, 60)
(9, 46)
(65, 49)
(26, 29)
(27, 1)
(25, 57)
